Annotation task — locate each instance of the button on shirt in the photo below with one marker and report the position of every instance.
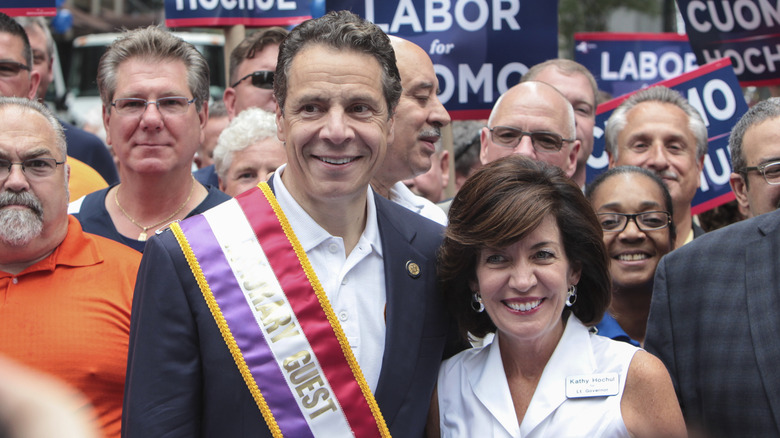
(354, 284)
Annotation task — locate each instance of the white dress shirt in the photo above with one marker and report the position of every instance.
(401, 195)
(354, 284)
(474, 397)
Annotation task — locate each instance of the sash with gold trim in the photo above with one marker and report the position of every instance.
(277, 321)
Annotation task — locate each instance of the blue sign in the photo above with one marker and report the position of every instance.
(626, 62)
(712, 89)
(31, 8)
(256, 13)
(479, 48)
(745, 31)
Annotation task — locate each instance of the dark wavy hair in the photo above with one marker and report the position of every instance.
(502, 203)
(341, 30)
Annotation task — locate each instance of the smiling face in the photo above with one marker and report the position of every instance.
(657, 136)
(634, 254)
(252, 165)
(335, 125)
(419, 116)
(153, 143)
(524, 285)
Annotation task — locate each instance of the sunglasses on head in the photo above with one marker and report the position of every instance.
(261, 79)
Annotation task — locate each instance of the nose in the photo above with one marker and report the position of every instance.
(657, 159)
(522, 277)
(16, 180)
(151, 118)
(632, 233)
(439, 117)
(336, 129)
(525, 147)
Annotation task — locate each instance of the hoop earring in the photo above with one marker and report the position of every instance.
(476, 303)
(571, 295)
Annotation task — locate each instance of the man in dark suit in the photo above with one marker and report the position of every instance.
(191, 370)
(714, 321)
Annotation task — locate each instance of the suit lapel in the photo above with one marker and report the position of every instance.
(405, 311)
(763, 306)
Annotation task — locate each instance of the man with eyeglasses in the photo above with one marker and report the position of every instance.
(17, 78)
(754, 145)
(532, 119)
(65, 308)
(155, 91)
(658, 129)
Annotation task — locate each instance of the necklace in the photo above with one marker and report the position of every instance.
(143, 236)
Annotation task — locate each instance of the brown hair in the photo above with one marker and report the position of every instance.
(501, 204)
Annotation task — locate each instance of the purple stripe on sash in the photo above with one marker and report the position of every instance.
(248, 336)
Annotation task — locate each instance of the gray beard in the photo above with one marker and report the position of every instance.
(20, 226)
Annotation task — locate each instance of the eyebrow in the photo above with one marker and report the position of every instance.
(618, 206)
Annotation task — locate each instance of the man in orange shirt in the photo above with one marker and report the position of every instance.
(65, 295)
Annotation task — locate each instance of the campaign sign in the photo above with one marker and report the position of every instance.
(31, 8)
(479, 48)
(714, 91)
(255, 13)
(625, 62)
(745, 31)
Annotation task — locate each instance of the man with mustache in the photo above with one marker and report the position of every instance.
(755, 158)
(66, 299)
(533, 119)
(658, 129)
(418, 122)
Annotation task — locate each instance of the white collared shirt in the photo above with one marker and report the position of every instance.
(354, 284)
(401, 195)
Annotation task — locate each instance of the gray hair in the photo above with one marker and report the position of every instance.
(341, 30)
(34, 105)
(617, 121)
(40, 23)
(217, 109)
(567, 67)
(153, 44)
(760, 112)
(249, 127)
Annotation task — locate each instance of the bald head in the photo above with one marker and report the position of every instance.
(419, 117)
(534, 107)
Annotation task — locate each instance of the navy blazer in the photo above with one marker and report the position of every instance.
(714, 322)
(183, 382)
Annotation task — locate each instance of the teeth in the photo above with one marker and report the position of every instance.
(632, 257)
(524, 307)
(336, 160)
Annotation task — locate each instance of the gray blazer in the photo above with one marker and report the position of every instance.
(714, 322)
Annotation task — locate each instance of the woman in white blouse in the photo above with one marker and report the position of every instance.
(523, 257)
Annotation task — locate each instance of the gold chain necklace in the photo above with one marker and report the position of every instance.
(143, 236)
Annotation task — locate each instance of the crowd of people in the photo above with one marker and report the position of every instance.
(310, 278)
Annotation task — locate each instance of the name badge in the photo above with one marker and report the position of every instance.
(592, 385)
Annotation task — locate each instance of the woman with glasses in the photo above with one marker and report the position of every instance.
(523, 257)
(634, 209)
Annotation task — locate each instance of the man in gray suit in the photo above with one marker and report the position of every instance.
(714, 321)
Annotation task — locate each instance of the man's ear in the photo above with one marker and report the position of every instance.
(740, 189)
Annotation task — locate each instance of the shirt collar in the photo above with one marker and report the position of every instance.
(309, 232)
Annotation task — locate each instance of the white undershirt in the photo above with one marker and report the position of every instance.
(355, 285)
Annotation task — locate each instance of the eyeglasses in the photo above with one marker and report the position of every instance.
(261, 79)
(10, 69)
(771, 171)
(542, 141)
(167, 106)
(647, 221)
(32, 167)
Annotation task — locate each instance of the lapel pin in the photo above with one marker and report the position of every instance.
(413, 269)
